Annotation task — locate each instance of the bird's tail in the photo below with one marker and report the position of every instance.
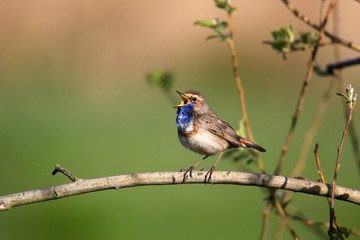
(247, 143)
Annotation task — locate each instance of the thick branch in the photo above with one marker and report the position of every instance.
(169, 178)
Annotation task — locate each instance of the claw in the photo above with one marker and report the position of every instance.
(188, 171)
(208, 175)
(193, 166)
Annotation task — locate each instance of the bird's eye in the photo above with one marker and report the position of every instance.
(194, 99)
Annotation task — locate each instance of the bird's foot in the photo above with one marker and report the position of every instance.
(186, 172)
(208, 175)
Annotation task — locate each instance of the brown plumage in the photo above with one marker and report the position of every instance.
(218, 126)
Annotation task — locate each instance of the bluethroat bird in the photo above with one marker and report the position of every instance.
(204, 132)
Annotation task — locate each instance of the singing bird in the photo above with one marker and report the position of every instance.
(204, 132)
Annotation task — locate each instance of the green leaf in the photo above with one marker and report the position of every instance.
(284, 40)
(212, 37)
(204, 23)
(345, 231)
(241, 130)
(283, 37)
(220, 27)
(335, 234)
(308, 38)
(225, 4)
(340, 94)
(224, 37)
(233, 9)
(162, 79)
(221, 3)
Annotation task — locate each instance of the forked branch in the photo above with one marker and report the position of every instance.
(305, 19)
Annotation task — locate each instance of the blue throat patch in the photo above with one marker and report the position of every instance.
(184, 117)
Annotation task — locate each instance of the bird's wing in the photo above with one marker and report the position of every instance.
(218, 126)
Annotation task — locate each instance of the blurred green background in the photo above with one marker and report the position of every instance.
(73, 92)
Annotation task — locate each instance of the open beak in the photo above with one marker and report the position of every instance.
(184, 101)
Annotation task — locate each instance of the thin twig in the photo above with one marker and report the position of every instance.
(58, 168)
(260, 165)
(303, 90)
(320, 112)
(337, 167)
(318, 163)
(175, 178)
(231, 45)
(315, 225)
(302, 95)
(352, 131)
(282, 213)
(275, 201)
(296, 215)
(306, 20)
(309, 136)
(265, 223)
(323, 179)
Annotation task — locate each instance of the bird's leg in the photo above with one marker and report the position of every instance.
(209, 173)
(192, 168)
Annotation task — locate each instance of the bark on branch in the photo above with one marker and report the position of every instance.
(168, 178)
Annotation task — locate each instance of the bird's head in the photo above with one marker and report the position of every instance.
(195, 98)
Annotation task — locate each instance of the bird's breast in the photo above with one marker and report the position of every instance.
(203, 142)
